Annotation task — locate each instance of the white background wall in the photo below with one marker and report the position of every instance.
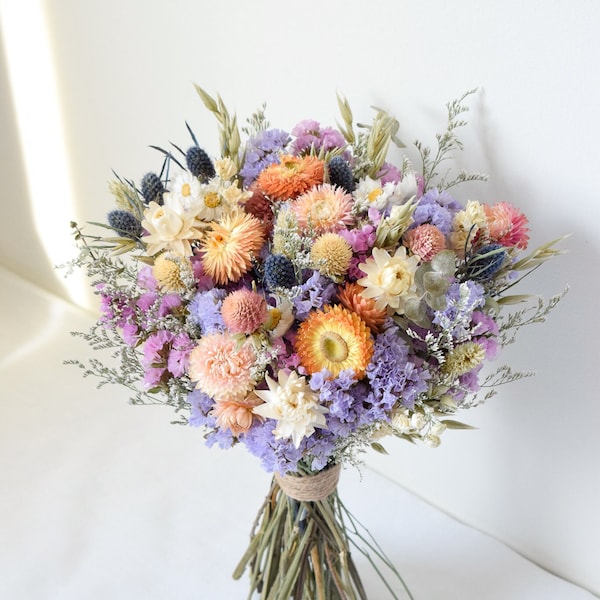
(124, 70)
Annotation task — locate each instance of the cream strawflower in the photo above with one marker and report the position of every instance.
(293, 405)
(225, 168)
(466, 225)
(169, 227)
(390, 280)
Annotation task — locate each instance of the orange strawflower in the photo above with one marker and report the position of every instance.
(351, 297)
(335, 339)
(293, 176)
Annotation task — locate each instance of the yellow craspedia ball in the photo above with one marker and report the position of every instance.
(167, 273)
(331, 255)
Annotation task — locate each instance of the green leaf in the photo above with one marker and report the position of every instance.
(378, 448)
(451, 424)
(515, 299)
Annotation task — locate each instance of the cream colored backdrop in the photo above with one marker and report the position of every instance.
(89, 85)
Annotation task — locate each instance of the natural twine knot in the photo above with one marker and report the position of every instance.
(310, 488)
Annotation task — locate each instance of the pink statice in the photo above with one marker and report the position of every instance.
(146, 279)
(485, 333)
(309, 134)
(389, 174)
(361, 241)
(118, 310)
(178, 357)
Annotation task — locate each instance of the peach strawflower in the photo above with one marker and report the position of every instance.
(351, 297)
(230, 245)
(326, 208)
(236, 415)
(334, 339)
(425, 240)
(221, 368)
(507, 225)
(244, 311)
(293, 176)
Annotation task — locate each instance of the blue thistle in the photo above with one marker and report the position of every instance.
(486, 263)
(152, 188)
(199, 163)
(340, 174)
(124, 223)
(279, 272)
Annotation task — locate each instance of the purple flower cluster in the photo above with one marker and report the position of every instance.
(393, 374)
(261, 151)
(462, 299)
(316, 292)
(205, 310)
(437, 208)
(309, 134)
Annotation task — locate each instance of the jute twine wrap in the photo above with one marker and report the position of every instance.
(310, 488)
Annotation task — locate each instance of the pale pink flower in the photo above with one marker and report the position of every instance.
(236, 415)
(244, 311)
(220, 368)
(425, 240)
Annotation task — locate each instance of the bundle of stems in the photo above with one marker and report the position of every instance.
(300, 550)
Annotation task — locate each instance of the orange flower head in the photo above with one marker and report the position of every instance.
(230, 245)
(335, 339)
(351, 297)
(293, 176)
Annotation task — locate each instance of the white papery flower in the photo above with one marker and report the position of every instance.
(184, 191)
(390, 280)
(169, 227)
(293, 405)
(404, 190)
(370, 193)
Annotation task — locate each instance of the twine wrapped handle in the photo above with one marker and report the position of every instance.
(310, 488)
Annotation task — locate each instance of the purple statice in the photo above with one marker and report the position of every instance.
(262, 150)
(437, 208)
(201, 405)
(309, 134)
(315, 292)
(462, 299)
(205, 310)
(394, 375)
(275, 454)
(343, 396)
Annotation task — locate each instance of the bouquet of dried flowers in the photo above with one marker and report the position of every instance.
(304, 297)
